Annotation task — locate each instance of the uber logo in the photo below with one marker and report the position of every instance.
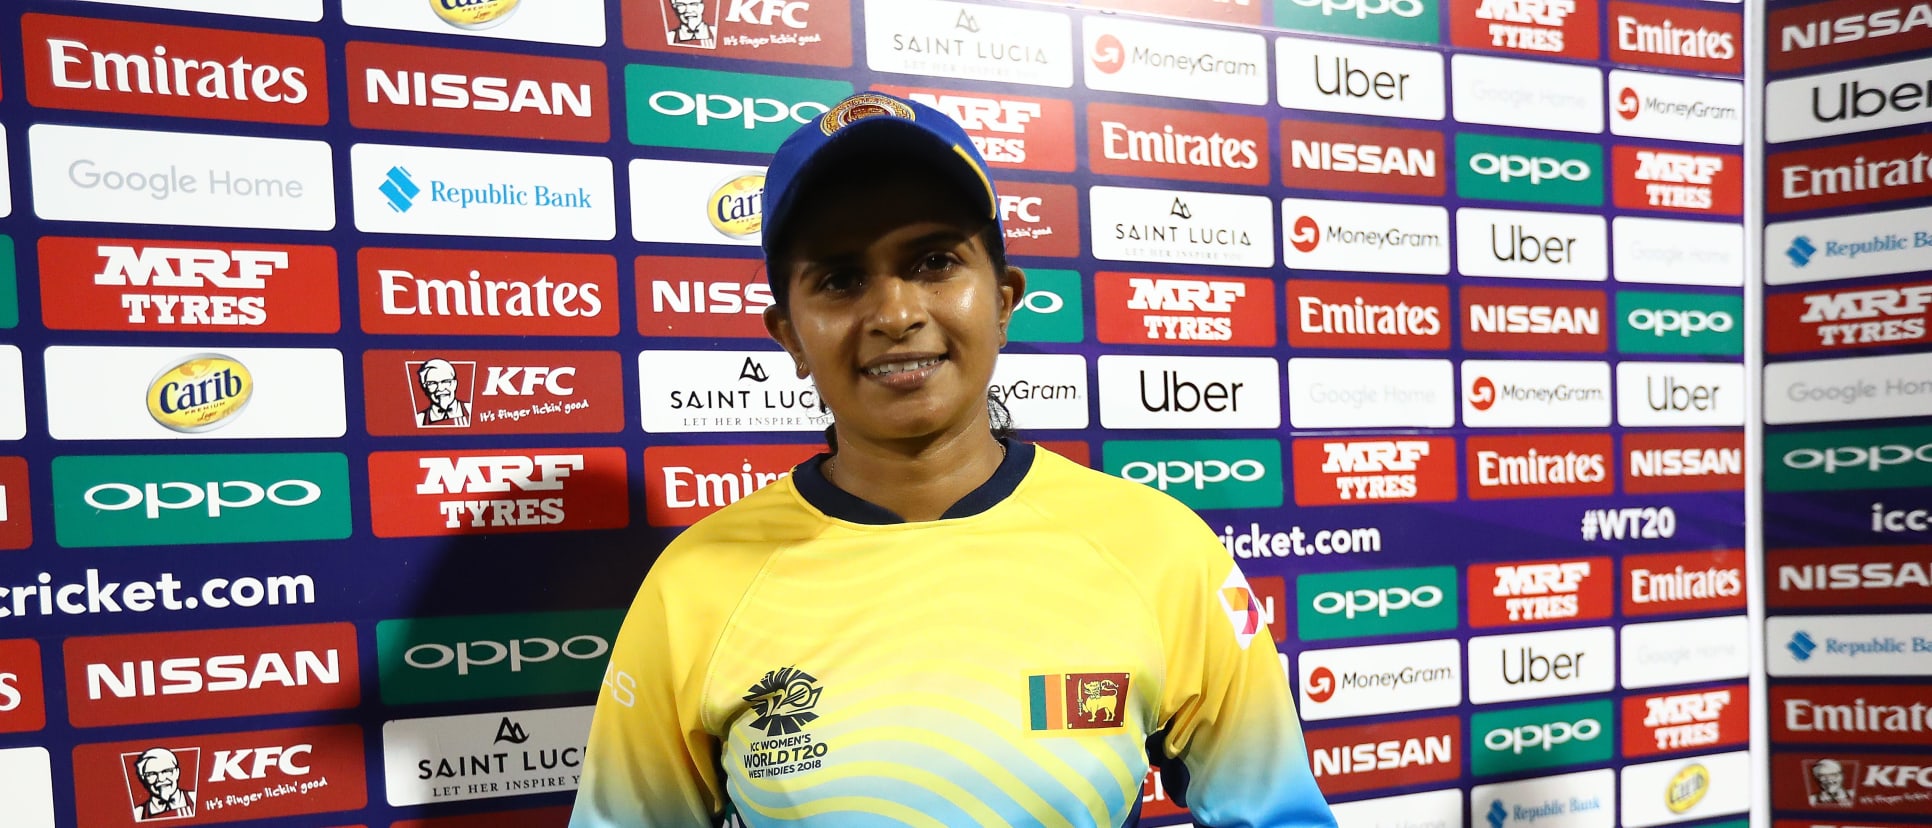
(1525, 245)
(1189, 392)
(1680, 394)
(1363, 80)
(1541, 665)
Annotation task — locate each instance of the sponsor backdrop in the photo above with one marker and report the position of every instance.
(359, 356)
(1848, 437)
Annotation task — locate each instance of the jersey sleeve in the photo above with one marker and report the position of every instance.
(650, 762)
(1233, 741)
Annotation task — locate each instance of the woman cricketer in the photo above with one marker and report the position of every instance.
(931, 624)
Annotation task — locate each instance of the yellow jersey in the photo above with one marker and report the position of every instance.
(805, 658)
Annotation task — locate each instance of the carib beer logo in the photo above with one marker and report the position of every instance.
(737, 206)
(200, 393)
(474, 15)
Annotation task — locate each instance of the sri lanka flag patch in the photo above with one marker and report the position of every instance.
(1077, 701)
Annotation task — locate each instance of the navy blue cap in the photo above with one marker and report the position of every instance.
(866, 123)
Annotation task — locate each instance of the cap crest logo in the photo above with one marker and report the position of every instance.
(860, 107)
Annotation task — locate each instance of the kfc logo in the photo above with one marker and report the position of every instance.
(1009, 131)
(493, 392)
(814, 32)
(1040, 219)
(419, 494)
(195, 780)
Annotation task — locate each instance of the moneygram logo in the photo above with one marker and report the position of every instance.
(1367, 315)
(1336, 472)
(418, 89)
(1696, 720)
(1561, 28)
(1376, 602)
(1700, 462)
(176, 71)
(1164, 143)
(1679, 323)
(1565, 465)
(1324, 156)
(1389, 678)
(480, 492)
(211, 674)
(425, 392)
(1881, 458)
(1500, 168)
(1860, 576)
(1147, 58)
(1533, 319)
(129, 285)
(1210, 474)
(1532, 738)
(1008, 130)
(1674, 37)
(426, 660)
(1181, 310)
(1543, 393)
(703, 109)
(1540, 592)
(1677, 181)
(787, 31)
(1386, 754)
(1416, 21)
(199, 498)
(1870, 172)
(685, 483)
(479, 292)
(1362, 236)
(1654, 105)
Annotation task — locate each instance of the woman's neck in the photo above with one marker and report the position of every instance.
(918, 482)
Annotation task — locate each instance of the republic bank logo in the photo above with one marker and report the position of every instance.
(1801, 645)
(399, 189)
(1801, 251)
(1498, 815)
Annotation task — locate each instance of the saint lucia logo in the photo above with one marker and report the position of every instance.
(784, 700)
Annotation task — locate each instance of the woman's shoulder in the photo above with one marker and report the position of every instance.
(744, 532)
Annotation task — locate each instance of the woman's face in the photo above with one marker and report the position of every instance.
(895, 310)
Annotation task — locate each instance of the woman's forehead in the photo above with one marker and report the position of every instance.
(856, 214)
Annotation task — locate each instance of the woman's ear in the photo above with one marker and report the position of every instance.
(1012, 293)
(779, 325)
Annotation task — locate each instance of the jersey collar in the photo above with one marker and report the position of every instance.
(838, 503)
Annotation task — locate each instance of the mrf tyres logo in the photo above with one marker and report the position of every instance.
(1683, 721)
(1540, 592)
(1008, 130)
(199, 498)
(426, 660)
(1559, 28)
(703, 109)
(130, 285)
(416, 494)
(177, 71)
(199, 779)
(1503, 168)
(1376, 602)
(1337, 472)
(1206, 474)
(1141, 308)
(1679, 181)
(210, 674)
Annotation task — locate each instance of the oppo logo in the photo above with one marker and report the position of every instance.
(1544, 737)
(1043, 302)
(1508, 167)
(517, 653)
(1364, 9)
(214, 496)
(1199, 473)
(1869, 458)
(1377, 602)
(1684, 323)
(724, 109)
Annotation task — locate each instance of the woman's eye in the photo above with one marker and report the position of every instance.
(839, 281)
(935, 261)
